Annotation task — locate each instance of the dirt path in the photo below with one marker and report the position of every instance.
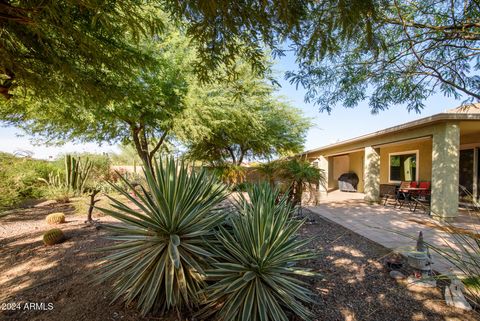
(354, 285)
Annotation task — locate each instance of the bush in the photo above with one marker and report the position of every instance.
(254, 278)
(160, 259)
(19, 179)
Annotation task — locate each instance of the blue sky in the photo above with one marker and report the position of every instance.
(341, 124)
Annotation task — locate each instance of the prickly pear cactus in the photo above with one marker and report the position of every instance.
(53, 236)
(55, 218)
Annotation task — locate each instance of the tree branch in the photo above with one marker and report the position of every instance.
(159, 144)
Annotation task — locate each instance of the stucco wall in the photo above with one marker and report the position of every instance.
(424, 162)
(356, 166)
(340, 166)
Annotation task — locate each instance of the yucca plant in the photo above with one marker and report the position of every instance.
(255, 276)
(161, 253)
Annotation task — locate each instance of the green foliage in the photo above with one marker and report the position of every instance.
(19, 179)
(229, 174)
(233, 121)
(417, 48)
(72, 180)
(268, 171)
(300, 174)
(162, 252)
(72, 48)
(53, 236)
(127, 156)
(255, 276)
(142, 116)
(224, 30)
(55, 218)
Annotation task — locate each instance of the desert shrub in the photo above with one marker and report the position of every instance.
(229, 174)
(19, 178)
(161, 253)
(242, 187)
(254, 278)
(101, 164)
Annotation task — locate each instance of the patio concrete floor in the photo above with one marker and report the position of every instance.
(377, 223)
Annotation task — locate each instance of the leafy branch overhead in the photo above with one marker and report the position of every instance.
(417, 48)
(73, 47)
(242, 120)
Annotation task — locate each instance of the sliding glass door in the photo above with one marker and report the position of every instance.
(466, 172)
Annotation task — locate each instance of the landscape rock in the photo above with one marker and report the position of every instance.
(397, 275)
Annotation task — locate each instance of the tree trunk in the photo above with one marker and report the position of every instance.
(93, 201)
(141, 149)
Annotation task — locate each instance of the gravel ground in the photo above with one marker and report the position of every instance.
(353, 285)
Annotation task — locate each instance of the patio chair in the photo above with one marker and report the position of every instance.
(402, 197)
(387, 192)
(422, 197)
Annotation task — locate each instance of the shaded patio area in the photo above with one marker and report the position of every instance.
(377, 223)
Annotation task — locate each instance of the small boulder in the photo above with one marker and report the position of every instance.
(397, 275)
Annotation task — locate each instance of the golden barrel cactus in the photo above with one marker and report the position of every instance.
(55, 218)
(53, 236)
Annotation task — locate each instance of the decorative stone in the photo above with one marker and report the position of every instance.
(397, 275)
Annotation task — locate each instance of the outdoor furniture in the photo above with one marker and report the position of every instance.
(388, 191)
(347, 182)
(402, 194)
(413, 194)
(421, 197)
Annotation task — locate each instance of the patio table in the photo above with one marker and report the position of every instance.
(410, 197)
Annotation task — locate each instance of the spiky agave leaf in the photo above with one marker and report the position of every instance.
(161, 253)
(254, 279)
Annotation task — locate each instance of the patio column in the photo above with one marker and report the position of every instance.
(371, 175)
(322, 162)
(445, 169)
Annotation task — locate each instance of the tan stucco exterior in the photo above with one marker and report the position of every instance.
(356, 166)
(424, 161)
(438, 140)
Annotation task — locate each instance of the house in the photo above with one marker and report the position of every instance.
(442, 148)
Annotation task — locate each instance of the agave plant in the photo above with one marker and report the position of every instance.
(161, 253)
(255, 276)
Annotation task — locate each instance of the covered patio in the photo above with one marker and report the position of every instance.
(377, 223)
(441, 151)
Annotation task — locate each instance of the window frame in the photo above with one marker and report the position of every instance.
(417, 161)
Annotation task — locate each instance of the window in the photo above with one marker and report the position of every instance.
(403, 166)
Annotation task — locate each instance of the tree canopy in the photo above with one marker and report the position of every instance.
(72, 47)
(241, 120)
(79, 46)
(142, 115)
(417, 48)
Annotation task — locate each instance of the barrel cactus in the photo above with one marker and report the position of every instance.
(53, 236)
(55, 218)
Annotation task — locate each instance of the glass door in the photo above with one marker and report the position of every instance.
(466, 174)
